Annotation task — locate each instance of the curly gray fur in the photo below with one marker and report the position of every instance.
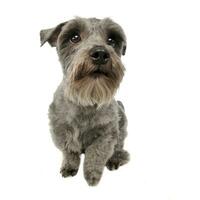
(87, 123)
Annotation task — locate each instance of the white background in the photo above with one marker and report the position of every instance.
(160, 91)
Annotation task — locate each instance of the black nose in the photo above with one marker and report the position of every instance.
(99, 55)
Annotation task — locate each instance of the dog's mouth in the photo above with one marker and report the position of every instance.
(99, 73)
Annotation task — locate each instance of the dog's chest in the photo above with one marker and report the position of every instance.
(87, 120)
(90, 125)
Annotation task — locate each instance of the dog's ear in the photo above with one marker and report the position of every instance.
(124, 49)
(51, 35)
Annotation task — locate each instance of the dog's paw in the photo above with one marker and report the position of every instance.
(67, 171)
(118, 159)
(113, 165)
(93, 177)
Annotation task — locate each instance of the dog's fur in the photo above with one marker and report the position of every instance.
(84, 116)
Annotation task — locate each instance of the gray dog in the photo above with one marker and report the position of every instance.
(84, 116)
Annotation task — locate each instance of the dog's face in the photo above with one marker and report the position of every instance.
(90, 53)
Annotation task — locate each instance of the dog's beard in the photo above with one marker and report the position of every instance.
(87, 85)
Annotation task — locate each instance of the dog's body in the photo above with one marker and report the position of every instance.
(84, 116)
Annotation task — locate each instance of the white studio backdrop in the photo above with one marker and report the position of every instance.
(160, 91)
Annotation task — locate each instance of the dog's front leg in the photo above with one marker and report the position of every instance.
(70, 164)
(96, 156)
(65, 138)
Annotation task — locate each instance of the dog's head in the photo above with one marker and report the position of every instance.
(90, 53)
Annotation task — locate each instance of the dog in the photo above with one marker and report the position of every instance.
(84, 116)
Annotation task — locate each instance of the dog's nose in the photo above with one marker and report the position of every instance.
(99, 55)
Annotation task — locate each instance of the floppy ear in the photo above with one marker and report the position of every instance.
(51, 35)
(124, 49)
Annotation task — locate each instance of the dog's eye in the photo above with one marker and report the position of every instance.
(111, 41)
(75, 38)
